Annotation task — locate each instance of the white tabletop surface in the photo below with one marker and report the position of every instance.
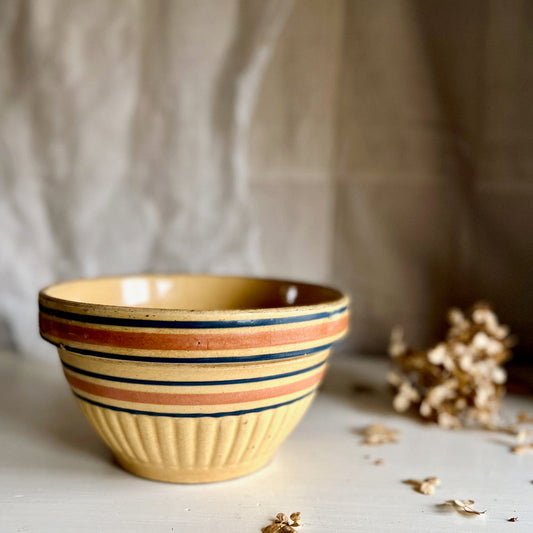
(56, 476)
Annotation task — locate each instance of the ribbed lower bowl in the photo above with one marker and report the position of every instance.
(200, 423)
(194, 450)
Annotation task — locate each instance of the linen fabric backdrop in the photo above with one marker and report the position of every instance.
(384, 147)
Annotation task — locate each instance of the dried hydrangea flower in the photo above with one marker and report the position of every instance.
(458, 381)
(283, 524)
(465, 506)
(427, 486)
(379, 434)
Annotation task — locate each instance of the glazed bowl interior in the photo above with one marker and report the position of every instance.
(192, 293)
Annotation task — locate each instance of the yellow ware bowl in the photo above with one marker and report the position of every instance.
(192, 379)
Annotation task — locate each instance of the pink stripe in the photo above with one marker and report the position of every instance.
(190, 341)
(164, 398)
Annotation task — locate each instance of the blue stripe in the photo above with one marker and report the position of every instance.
(188, 383)
(244, 359)
(186, 324)
(193, 415)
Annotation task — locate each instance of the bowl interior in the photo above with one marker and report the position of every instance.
(190, 292)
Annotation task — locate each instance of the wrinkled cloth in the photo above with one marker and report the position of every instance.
(383, 147)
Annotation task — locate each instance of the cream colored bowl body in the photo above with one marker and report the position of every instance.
(192, 378)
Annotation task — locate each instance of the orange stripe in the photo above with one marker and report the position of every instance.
(187, 341)
(163, 398)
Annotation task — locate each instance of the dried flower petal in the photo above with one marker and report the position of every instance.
(282, 524)
(407, 394)
(480, 340)
(464, 506)
(520, 449)
(456, 317)
(296, 517)
(379, 434)
(438, 354)
(285, 528)
(481, 315)
(425, 409)
(427, 486)
(282, 518)
(499, 375)
(513, 519)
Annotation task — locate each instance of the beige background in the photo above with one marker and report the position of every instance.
(383, 146)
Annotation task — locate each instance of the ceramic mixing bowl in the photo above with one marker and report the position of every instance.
(192, 378)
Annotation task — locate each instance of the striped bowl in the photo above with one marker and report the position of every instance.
(192, 379)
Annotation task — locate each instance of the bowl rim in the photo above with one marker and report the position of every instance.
(340, 299)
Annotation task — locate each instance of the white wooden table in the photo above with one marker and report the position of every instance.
(56, 476)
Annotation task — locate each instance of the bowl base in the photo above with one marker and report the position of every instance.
(180, 475)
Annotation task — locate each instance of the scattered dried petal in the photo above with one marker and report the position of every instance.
(376, 434)
(520, 449)
(379, 462)
(427, 486)
(513, 519)
(465, 506)
(282, 524)
(296, 517)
